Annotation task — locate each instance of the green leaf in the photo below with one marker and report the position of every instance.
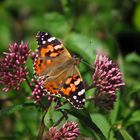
(115, 112)
(134, 118)
(5, 35)
(136, 17)
(86, 131)
(84, 46)
(48, 117)
(52, 22)
(85, 119)
(133, 57)
(10, 110)
(125, 134)
(102, 123)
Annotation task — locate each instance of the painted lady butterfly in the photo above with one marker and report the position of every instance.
(58, 67)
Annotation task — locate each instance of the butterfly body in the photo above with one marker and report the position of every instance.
(58, 69)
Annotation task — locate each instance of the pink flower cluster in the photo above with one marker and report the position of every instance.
(38, 93)
(12, 68)
(107, 78)
(68, 131)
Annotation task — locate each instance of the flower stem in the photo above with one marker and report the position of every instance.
(58, 122)
(89, 87)
(60, 105)
(29, 84)
(41, 128)
(42, 125)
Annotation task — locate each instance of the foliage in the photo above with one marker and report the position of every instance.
(85, 27)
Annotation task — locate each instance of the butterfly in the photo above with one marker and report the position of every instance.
(58, 68)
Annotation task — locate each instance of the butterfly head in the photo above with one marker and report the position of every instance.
(76, 59)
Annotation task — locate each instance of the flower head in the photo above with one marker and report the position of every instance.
(68, 131)
(38, 93)
(12, 68)
(107, 78)
(53, 134)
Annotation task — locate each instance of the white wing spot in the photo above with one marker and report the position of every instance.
(81, 92)
(83, 100)
(74, 97)
(77, 82)
(51, 39)
(43, 42)
(58, 47)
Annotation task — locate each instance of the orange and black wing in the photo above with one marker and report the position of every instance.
(48, 51)
(73, 90)
(58, 78)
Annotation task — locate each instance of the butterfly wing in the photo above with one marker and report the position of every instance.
(73, 90)
(49, 54)
(62, 78)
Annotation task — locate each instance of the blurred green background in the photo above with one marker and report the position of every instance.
(85, 27)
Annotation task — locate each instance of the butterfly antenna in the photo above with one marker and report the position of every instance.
(85, 62)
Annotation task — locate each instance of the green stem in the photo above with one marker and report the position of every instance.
(58, 122)
(41, 128)
(29, 84)
(89, 87)
(42, 125)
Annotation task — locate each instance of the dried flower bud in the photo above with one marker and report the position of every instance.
(105, 101)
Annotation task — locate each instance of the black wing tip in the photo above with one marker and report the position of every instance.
(42, 33)
(42, 36)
